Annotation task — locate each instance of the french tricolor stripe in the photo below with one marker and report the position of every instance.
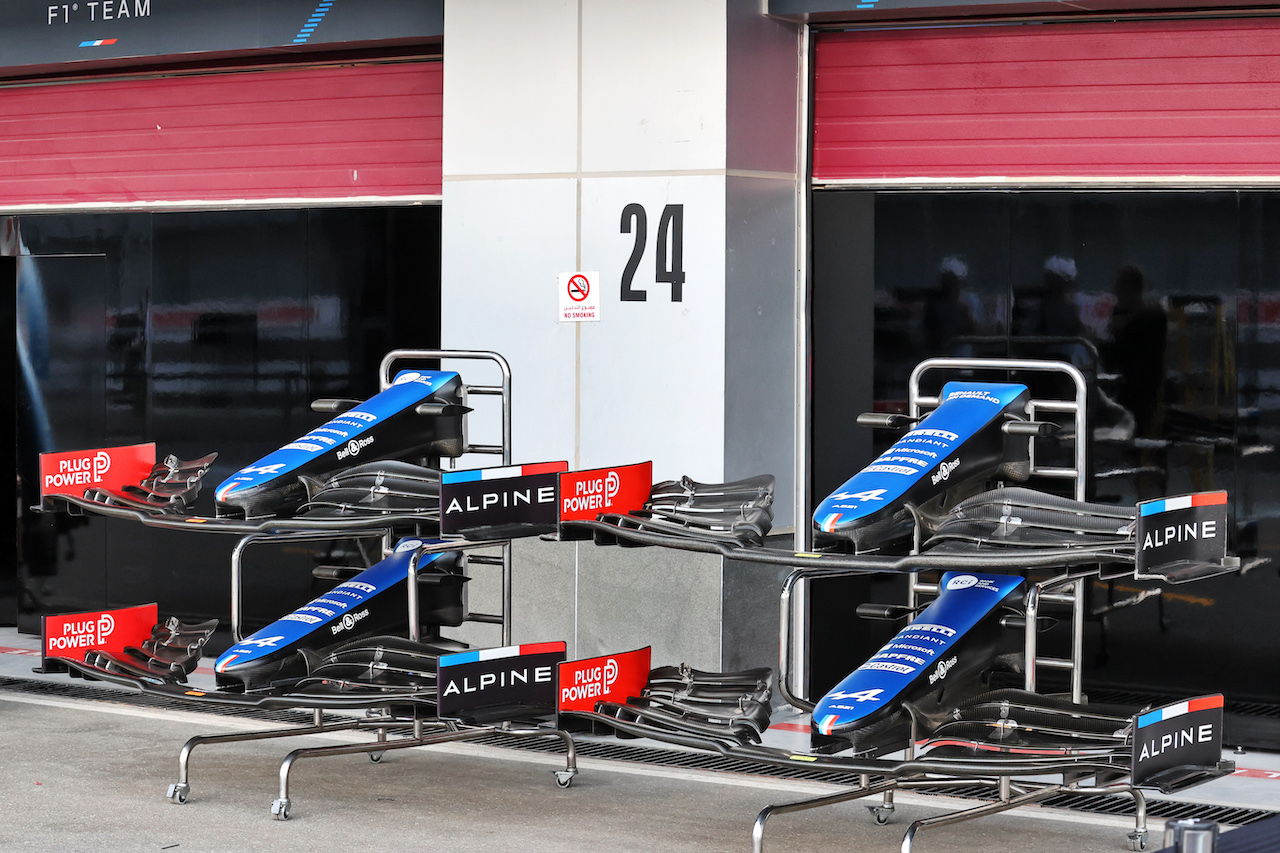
(501, 652)
(97, 42)
(1177, 710)
(828, 723)
(829, 523)
(475, 474)
(1184, 502)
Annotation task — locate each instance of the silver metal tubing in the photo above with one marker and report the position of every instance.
(504, 390)
(1076, 406)
(757, 831)
(448, 734)
(237, 561)
(507, 599)
(1077, 642)
(978, 811)
(491, 449)
(411, 597)
(292, 758)
(453, 545)
(320, 727)
(870, 565)
(571, 750)
(1031, 604)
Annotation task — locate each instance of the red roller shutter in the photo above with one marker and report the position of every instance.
(1041, 100)
(311, 133)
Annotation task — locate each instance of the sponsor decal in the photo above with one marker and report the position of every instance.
(490, 497)
(888, 469)
(353, 448)
(985, 396)
(968, 581)
(610, 678)
(1180, 529)
(70, 635)
(304, 445)
(925, 432)
(918, 661)
(941, 672)
(945, 469)
(348, 621)
(910, 460)
(888, 667)
(71, 472)
(586, 494)
(1185, 733)
(471, 683)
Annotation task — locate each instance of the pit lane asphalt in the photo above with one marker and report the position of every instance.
(91, 775)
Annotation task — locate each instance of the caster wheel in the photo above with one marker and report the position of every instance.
(881, 814)
(280, 810)
(1137, 841)
(177, 793)
(376, 757)
(564, 778)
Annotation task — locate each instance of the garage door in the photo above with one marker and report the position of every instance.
(334, 132)
(1109, 100)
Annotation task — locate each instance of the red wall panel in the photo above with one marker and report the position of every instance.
(1046, 100)
(323, 132)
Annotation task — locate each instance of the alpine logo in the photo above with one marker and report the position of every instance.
(945, 469)
(354, 446)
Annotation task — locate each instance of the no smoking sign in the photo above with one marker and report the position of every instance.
(579, 297)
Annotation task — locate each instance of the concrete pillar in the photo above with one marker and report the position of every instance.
(576, 134)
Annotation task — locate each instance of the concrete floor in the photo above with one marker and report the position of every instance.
(91, 775)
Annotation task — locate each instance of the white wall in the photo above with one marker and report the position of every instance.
(558, 115)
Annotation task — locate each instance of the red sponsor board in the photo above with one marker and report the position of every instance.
(610, 678)
(70, 635)
(71, 472)
(621, 489)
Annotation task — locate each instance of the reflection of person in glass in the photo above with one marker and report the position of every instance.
(946, 316)
(1134, 350)
(1054, 314)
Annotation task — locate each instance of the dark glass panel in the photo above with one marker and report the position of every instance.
(213, 332)
(1168, 301)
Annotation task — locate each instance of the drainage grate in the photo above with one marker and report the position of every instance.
(1108, 804)
(1231, 706)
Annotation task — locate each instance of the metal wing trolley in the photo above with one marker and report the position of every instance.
(1056, 577)
(388, 714)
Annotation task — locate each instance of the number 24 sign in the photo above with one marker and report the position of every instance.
(668, 254)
